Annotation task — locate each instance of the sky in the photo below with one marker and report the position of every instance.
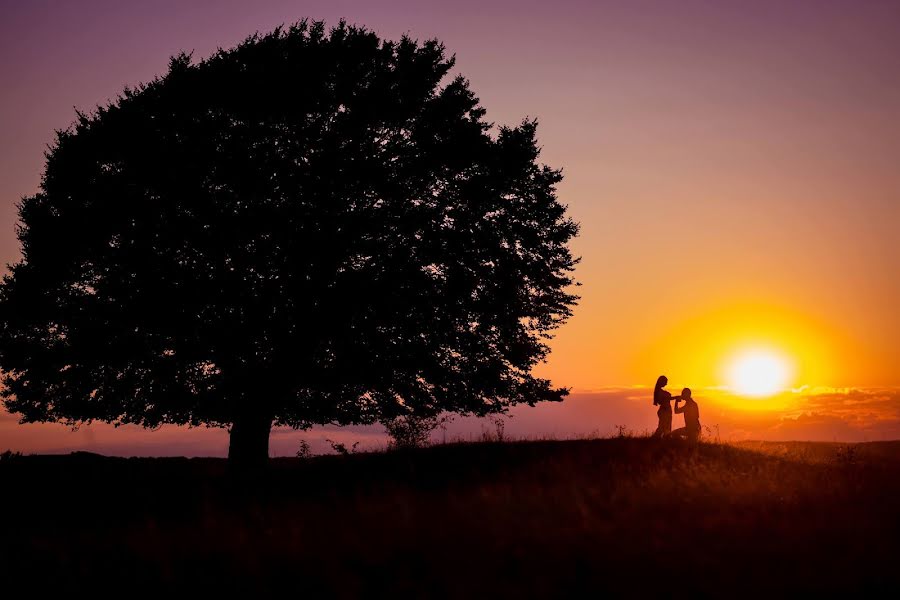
(732, 165)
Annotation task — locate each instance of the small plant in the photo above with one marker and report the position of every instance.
(443, 427)
(305, 452)
(623, 432)
(341, 448)
(499, 427)
(847, 455)
(9, 455)
(499, 433)
(410, 431)
(713, 433)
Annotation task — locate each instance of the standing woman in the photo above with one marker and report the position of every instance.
(663, 399)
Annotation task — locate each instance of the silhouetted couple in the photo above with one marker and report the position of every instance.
(690, 410)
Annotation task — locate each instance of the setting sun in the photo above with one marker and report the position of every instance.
(759, 373)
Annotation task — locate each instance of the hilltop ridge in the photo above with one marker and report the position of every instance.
(629, 516)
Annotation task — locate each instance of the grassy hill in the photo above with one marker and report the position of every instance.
(629, 516)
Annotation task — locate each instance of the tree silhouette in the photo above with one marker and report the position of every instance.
(311, 227)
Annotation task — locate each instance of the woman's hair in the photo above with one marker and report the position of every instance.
(660, 383)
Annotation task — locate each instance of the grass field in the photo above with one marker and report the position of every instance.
(627, 517)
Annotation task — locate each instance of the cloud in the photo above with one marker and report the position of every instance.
(824, 414)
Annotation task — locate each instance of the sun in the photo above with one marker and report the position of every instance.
(759, 373)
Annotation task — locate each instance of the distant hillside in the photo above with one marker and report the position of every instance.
(633, 517)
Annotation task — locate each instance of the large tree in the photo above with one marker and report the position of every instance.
(316, 226)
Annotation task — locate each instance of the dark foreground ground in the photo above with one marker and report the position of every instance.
(627, 517)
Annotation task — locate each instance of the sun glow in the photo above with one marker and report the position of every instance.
(759, 373)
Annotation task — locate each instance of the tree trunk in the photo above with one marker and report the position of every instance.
(249, 442)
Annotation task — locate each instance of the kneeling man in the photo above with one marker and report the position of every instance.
(691, 411)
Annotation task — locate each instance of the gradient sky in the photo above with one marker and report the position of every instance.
(733, 164)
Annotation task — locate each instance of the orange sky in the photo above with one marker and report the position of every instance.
(733, 165)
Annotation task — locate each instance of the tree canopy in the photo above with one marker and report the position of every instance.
(315, 226)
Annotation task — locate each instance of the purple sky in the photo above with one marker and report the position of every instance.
(759, 139)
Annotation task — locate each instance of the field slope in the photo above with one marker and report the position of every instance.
(629, 517)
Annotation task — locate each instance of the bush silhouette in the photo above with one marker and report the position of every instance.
(316, 226)
(409, 431)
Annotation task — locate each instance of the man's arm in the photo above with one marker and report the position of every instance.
(678, 409)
